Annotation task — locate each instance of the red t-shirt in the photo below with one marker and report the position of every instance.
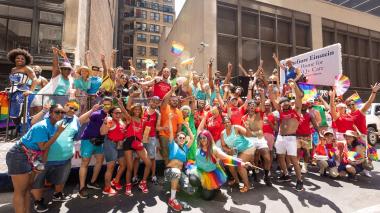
(268, 119)
(135, 129)
(236, 115)
(160, 89)
(215, 126)
(304, 126)
(118, 133)
(289, 114)
(151, 121)
(198, 115)
(360, 121)
(344, 123)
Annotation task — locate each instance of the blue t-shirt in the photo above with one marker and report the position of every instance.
(93, 128)
(62, 87)
(40, 132)
(81, 84)
(95, 83)
(178, 153)
(63, 148)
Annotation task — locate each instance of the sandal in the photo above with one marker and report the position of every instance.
(244, 189)
(233, 182)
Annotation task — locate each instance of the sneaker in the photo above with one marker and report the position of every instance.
(299, 186)
(109, 191)
(267, 181)
(39, 206)
(117, 185)
(284, 178)
(93, 186)
(322, 171)
(352, 177)
(128, 190)
(83, 193)
(143, 186)
(367, 173)
(154, 180)
(135, 180)
(59, 196)
(290, 170)
(303, 170)
(175, 205)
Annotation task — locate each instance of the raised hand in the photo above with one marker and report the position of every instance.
(95, 107)
(102, 57)
(55, 50)
(375, 87)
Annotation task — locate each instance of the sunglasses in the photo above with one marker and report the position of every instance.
(273, 82)
(181, 138)
(350, 104)
(59, 112)
(202, 137)
(117, 113)
(73, 109)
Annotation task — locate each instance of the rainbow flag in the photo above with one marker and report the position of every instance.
(232, 161)
(310, 91)
(355, 97)
(188, 61)
(4, 106)
(177, 48)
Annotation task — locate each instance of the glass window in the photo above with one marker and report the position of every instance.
(226, 21)
(168, 9)
(140, 14)
(226, 53)
(364, 71)
(19, 34)
(250, 54)
(3, 33)
(250, 29)
(353, 69)
(342, 39)
(141, 37)
(153, 51)
(154, 39)
(376, 49)
(353, 44)
(328, 37)
(267, 51)
(51, 17)
(364, 47)
(127, 52)
(267, 28)
(154, 16)
(168, 18)
(141, 50)
(11, 11)
(284, 31)
(139, 63)
(49, 36)
(155, 6)
(284, 52)
(300, 51)
(303, 35)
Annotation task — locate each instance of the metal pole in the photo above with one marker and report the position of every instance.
(9, 108)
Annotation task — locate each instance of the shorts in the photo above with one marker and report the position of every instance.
(132, 144)
(17, 161)
(151, 147)
(358, 168)
(172, 174)
(286, 145)
(54, 174)
(304, 142)
(87, 149)
(258, 143)
(111, 151)
(270, 140)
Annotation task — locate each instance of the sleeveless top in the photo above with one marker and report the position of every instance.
(290, 73)
(178, 153)
(19, 81)
(161, 88)
(135, 129)
(151, 121)
(203, 163)
(63, 86)
(118, 132)
(236, 141)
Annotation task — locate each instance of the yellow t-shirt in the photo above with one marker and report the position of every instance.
(108, 84)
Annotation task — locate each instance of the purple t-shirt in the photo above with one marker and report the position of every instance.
(93, 128)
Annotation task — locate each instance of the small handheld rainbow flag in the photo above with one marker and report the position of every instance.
(310, 91)
(177, 48)
(188, 61)
(342, 84)
(355, 97)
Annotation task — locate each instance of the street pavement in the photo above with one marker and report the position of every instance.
(322, 194)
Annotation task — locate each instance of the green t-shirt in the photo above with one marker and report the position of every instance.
(193, 147)
(321, 111)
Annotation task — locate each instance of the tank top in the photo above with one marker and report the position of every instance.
(203, 163)
(290, 73)
(118, 133)
(360, 121)
(236, 141)
(236, 115)
(177, 153)
(161, 88)
(151, 121)
(344, 123)
(19, 81)
(215, 126)
(135, 129)
(62, 87)
(304, 126)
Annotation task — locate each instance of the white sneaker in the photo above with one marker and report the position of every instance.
(367, 173)
(304, 169)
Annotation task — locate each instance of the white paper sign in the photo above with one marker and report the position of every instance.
(320, 66)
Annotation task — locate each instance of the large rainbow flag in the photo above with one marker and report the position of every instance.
(177, 48)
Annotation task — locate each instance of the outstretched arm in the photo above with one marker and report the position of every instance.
(277, 61)
(229, 72)
(55, 68)
(371, 98)
(333, 112)
(105, 68)
(210, 78)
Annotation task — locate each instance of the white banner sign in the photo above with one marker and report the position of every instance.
(320, 66)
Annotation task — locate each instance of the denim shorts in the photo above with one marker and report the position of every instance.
(87, 149)
(111, 153)
(151, 147)
(17, 161)
(55, 174)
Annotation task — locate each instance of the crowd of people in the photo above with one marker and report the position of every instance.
(207, 134)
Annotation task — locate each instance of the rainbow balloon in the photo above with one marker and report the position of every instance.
(342, 84)
(310, 91)
(177, 48)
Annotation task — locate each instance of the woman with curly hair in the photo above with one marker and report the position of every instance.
(20, 77)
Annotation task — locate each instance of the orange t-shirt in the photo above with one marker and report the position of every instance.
(177, 119)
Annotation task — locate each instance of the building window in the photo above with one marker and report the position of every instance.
(153, 51)
(139, 63)
(250, 30)
(127, 52)
(19, 12)
(141, 50)
(226, 21)
(49, 36)
(18, 34)
(169, 1)
(155, 6)
(141, 26)
(51, 17)
(128, 40)
(140, 14)
(168, 9)
(141, 37)
(154, 39)
(154, 16)
(154, 28)
(168, 18)
(3, 33)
